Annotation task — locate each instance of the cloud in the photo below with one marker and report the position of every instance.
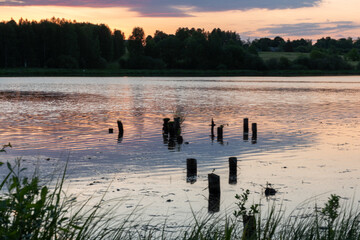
(306, 29)
(171, 8)
(10, 2)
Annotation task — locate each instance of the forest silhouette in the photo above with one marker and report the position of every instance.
(59, 43)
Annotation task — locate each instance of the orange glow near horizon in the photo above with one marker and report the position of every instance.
(252, 23)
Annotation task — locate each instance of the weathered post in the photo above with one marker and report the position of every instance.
(220, 133)
(254, 130)
(172, 130)
(191, 166)
(177, 126)
(121, 128)
(232, 170)
(111, 130)
(212, 128)
(214, 192)
(179, 139)
(246, 126)
(254, 133)
(249, 222)
(246, 129)
(166, 126)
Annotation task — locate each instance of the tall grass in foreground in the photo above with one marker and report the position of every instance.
(331, 222)
(30, 210)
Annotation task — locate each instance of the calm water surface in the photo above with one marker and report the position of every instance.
(308, 137)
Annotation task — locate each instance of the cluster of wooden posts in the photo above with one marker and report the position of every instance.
(172, 135)
(172, 130)
(249, 221)
(253, 130)
(220, 131)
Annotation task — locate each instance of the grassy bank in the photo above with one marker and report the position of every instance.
(33, 72)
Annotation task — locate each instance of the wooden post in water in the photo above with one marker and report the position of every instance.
(246, 126)
(179, 139)
(232, 170)
(172, 130)
(177, 126)
(111, 130)
(214, 192)
(121, 128)
(246, 129)
(166, 126)
(220, 133)
(191, 166)
(254, 132)
(249, 222)
(212, 128)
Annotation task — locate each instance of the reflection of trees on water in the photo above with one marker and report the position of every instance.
(43, 96)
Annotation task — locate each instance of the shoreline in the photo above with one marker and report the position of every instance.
(52, 72)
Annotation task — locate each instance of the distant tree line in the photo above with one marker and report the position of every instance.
(59, 43)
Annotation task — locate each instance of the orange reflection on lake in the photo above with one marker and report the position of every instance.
(307, 141)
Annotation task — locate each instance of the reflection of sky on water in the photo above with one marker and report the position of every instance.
(307, 131)
(55, 122)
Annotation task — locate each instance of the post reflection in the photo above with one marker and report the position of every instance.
(246, 137)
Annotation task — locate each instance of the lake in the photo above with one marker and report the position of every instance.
(308, 140)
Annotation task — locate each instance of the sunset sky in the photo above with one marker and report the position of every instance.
(310, 19)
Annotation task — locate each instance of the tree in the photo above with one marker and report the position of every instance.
(136, 41)
(317, 54)
(68, 45)
(194, 54)
(8, 44)
(263, 44)
(277, 44)
(182, 34)
(302, 45)
(89, 47)
(353, 55)
(288, 47)
(344, 45)
(105, 42)
(159, 35)
(169, 50)
(234, 56)
(119, 44)
(151, 48)
(27, 40)
(48, 39)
